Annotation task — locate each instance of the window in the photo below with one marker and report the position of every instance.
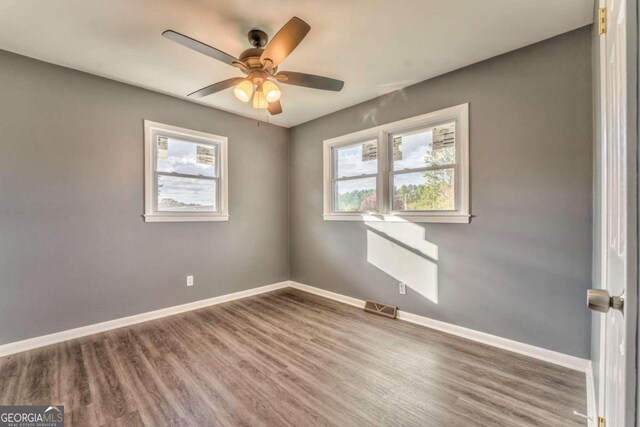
(354, 177)
(186, 175)
(423, 168)
(415, 169)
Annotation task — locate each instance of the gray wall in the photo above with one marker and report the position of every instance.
(520, 270)
(74, 249)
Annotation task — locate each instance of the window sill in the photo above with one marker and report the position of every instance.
(444, 218)
(194, 218)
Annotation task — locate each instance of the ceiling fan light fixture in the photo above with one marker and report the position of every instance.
(244, 90)
(260, 66)
(271, 91)
(259, 100)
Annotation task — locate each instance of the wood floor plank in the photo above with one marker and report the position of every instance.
(12, 370)
(38, 387)
(109, 386)
(150, 394)
(131, 419)
(72, 379)
(81, 416)
(289, 358)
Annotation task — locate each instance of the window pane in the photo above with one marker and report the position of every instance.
(434, 146)
(357, 159)
(356, 195)
(424, 191)
(185, 157)
(177, 194)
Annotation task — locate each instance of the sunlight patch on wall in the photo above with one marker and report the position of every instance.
(408, 234)
(418, 272)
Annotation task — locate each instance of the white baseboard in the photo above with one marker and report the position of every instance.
(561, 359)
(539, 353)
(28, 344)
(592, 410)
(327, 294)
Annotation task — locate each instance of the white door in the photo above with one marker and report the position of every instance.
(614, 211)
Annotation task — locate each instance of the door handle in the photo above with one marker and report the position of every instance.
(600, 300)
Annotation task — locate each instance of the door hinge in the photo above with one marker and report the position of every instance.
(602, 21)
(601, 422)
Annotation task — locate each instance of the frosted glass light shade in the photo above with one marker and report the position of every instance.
(271, 91)
(243, 90)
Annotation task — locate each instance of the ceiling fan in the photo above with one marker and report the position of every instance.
(260, 65)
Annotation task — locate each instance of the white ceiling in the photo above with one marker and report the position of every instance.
(375, 46)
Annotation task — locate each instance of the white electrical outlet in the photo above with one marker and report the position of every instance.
(189, 280)
(402, 288)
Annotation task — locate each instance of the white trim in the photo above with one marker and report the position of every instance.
(327, 294)
(592, 409)
(459, 113)
(601, 147)
(150, 214)
(165, 218)
(444, 218)
(550, 356)
(539, 353)
(29, 344)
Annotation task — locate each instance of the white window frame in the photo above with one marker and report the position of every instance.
(151, 176)
(461, 214)
(336, 179)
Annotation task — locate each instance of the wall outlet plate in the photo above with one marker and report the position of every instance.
(402, 288)
(189, 280)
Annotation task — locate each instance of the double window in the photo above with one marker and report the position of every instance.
(186, 175)
(415, 169)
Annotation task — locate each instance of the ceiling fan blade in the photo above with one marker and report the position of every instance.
(200, 47)
(285, 41)
(309, 80)
(216, 87)
(275, 108)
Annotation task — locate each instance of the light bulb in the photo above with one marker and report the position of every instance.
(271, 91)
(259, 100)
(244, 90)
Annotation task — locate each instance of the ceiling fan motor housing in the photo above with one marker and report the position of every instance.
(251, 56)
(257, 71)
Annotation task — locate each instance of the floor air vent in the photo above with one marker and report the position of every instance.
(381, 309)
